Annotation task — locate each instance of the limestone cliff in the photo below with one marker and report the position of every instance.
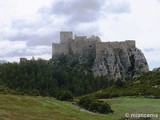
(120, 64)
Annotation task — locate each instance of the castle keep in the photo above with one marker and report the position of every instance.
(81, 45)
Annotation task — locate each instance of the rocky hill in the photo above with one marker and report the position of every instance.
(125, 63)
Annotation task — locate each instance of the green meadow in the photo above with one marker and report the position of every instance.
(17, 107)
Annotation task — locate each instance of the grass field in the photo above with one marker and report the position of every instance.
(14, 107)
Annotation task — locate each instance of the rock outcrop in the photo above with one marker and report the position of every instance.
(120, 64)
(156, 69)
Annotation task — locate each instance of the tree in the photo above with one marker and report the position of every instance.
(119, 83)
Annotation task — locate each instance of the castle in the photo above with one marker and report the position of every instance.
(81, 45)
(115, 60)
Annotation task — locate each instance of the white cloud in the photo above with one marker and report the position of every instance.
(38, 50)
(13, 9)
(7, 46)
(153, 58)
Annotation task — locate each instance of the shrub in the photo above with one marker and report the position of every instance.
(104, 108)
(35, 92)
(85, 102)
(94, 105)
(65, 96)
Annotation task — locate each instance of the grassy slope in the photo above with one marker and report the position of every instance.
(130, 105)
(38, 108)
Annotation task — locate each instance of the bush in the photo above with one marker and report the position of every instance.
(93, 105)
(85, 102)
(65, 96)
(35, 92)
(104, 108)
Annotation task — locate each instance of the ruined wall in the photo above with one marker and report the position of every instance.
(94, 38)
(61, 48)
(77, 38)
(115, 46)
(130, 43)
(82, 46)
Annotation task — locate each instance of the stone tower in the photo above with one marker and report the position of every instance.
(65, 36)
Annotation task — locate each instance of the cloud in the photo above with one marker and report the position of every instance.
(149, 49)
(16, 49)
(73, 15)
(78, 11)
(35, 39)
(118, 7)
(41, 31)
(153, 58)
(7, 47)
(23, 31)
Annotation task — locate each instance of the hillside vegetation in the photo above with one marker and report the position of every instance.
(146, 84)
(49, 78)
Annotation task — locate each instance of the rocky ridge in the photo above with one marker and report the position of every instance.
(120, 64)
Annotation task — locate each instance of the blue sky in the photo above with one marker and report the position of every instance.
(28, 27)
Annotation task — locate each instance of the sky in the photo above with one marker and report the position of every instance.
(29, 27)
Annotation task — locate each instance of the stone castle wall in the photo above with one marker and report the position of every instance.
(82, 45)
(61, 48)
(116, 46)
(77, 38)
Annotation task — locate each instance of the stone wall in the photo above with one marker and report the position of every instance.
(116, 46)
(77, 38)
(82, 45)
(131, 43)
(61, 48)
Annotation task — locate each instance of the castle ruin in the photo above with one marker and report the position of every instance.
(116, 60)
(81, 45)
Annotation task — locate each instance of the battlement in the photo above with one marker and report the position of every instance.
(80, 37)
(116, 44)
(65, 31)
(130, 43)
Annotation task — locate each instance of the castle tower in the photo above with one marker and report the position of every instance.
(65, 36)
